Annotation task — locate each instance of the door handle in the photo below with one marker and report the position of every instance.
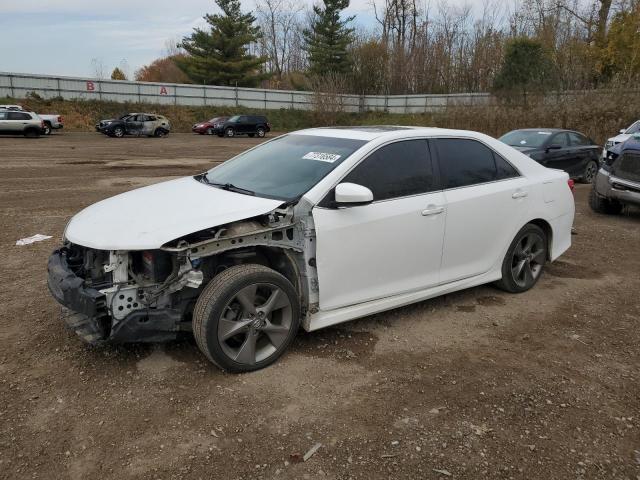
(519, 194)
(432, 210)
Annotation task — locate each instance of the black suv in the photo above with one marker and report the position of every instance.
(252, 125)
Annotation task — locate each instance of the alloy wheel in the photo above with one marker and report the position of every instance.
(255, 324)
(528, 259)
(590, 172)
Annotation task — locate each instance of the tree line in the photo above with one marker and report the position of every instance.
(413, 48)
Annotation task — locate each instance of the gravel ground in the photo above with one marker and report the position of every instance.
(476, 384)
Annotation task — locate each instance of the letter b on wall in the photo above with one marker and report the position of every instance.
(91, 87)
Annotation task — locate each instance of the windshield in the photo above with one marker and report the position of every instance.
(525, 138)
(216, 120)
(286, 167)
(235, 118)
(635, 128)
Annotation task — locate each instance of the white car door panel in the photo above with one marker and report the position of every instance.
(378, 250)
(481, 222)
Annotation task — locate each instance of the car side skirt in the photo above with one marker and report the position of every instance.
(322, 319)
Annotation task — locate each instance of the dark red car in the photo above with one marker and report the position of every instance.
(210, 127)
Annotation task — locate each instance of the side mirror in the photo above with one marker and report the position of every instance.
(623, 130)
(351, 194)
(554, 146)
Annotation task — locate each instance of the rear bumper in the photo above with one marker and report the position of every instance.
(86, 311)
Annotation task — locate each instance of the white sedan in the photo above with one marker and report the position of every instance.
(310, 229)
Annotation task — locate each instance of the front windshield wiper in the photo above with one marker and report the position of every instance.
(230, 187)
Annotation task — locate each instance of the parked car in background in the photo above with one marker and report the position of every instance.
(622, 137)
(210, 127)
(566, 150)
(252, 125)
(138, 124)
(20, 122)
(51, 121)
(618, 181)
(311, 229)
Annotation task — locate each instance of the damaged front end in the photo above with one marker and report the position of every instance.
(121, 296)
(149, 296)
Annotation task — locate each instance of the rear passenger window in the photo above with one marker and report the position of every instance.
(18, 116)
(466, 162)
(396, 170)
(561, 139)
(577, 140)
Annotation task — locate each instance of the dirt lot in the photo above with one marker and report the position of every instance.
(478, 384)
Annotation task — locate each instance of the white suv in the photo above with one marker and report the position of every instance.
(17, 122)
(624, 135)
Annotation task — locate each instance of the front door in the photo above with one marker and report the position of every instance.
(391, 246)
(134, 124)
(487, 202)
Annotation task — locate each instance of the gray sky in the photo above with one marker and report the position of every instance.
(61, 37)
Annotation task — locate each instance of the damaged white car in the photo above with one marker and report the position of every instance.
(310, 229)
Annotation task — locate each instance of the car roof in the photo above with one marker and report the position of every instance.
(374, 132)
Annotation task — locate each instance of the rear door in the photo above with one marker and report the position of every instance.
(584, 150)
(3, 122)
(149, 124)
(487, 201)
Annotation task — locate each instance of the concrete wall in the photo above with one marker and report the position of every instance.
(18, 85)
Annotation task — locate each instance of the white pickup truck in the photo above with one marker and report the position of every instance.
(50, 121)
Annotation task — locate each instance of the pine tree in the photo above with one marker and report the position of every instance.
(220, 56)
(118, 74)
(327, 40)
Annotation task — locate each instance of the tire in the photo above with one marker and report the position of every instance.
(232, 337)
(229, 132)
(47, 128)
(209, 131)
(160, 132)
(118, 132)
(32, 133)
(524, 262)
(603, 205)
(590, 172)
(261, 132)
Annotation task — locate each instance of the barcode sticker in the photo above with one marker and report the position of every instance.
(322, 157)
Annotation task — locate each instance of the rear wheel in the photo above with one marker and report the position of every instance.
(604, 205)
(47, 128)
(229, 132)
(590, 172)
(246, 317)
(261, 132)
(160, 132)
(523, 264)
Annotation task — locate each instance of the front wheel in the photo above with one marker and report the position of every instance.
(118, 132)
(523, 264)
(209, 131)
(229, 132)
(590, 172)
(47, 128)
(602, 204)
(246, 317)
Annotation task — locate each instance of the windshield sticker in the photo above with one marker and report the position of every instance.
(523, 142)
(321, 157)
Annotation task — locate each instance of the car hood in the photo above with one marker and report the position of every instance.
(623, 137)
(149, 217)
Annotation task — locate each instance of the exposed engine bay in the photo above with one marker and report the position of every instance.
(134, 296)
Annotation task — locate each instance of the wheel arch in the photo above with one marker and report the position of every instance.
(548, 231)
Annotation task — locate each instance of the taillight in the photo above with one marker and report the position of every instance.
(60, 119)
(572, 184)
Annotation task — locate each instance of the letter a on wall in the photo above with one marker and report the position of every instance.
(91, 87)
(163, 90)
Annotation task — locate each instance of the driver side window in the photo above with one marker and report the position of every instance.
(396, 170)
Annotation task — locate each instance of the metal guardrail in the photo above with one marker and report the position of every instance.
(18, 85)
